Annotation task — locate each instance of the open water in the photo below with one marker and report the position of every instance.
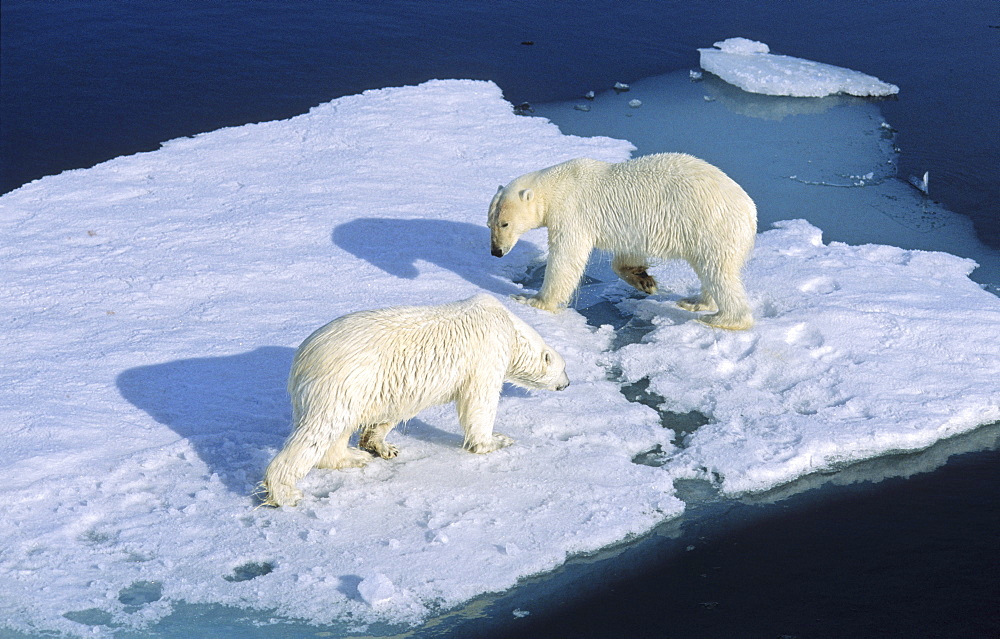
(903, 547)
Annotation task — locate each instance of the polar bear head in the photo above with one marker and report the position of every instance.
(545, 370)
(533, 363)
(515, 209)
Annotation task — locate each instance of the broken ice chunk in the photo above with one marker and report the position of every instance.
(376, 589)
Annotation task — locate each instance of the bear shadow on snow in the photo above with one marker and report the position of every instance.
(395, 246)
(232, 409)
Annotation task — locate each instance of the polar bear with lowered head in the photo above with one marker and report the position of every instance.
(373, 369)
(668, 205)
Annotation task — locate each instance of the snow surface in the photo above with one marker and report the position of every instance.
(749, 65)
(153, 304)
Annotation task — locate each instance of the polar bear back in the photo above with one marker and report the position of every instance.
(387, 365)
(670, 205)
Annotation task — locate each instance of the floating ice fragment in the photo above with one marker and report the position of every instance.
(520, 614)
(582, 107)
(695, 75)
(921, 184)
(376, 590)
(750, 66)
(621, 87)
(635, 104)
(589, 95)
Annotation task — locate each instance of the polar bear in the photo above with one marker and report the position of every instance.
(373, 369)
(667, 205)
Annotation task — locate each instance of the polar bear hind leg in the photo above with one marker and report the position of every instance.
(633, 270)
(725, 288)
(372, 439)
(340, 455)
(308, 446)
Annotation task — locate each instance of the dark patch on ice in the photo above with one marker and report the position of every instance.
(139, 594)
(654, 457)
(250, 570)
(698, 492)
(90, 617)
(533, 276)
(683, 424)
(349, 587)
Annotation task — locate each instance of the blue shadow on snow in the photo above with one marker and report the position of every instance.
(395, 246)
(232, 409)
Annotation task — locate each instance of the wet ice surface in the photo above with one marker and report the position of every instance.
(154, 303)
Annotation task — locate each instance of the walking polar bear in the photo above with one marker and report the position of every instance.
(668, 205)
(373, 369)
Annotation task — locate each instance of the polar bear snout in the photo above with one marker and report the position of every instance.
(496, 251)
(563, 383)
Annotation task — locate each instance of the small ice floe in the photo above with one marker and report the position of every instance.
(589, 95)
(635, 104)
(621, 87)
(695, 75)
(520, 614)
(921, 183)
(582, 107)
(750, 66)
(376, 589)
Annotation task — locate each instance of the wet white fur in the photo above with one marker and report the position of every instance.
(668, 205)
(373, 369)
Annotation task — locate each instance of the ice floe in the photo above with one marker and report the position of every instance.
(750, 65)
(153, 304)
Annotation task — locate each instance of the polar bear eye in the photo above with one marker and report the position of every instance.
(504, 225)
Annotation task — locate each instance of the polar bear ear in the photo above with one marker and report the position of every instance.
(499, 188)
(547, 357)
(527, 195)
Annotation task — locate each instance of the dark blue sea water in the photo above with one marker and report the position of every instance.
(83, 81)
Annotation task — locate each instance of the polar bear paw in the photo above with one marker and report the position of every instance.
(537, 302)
(278, 495)
(380, 449)
(638, 278)
(728, 323)
(497, 442)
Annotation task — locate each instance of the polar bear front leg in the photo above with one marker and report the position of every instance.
(633, 270)
(568, 257)
(372, 439)
(477, 411)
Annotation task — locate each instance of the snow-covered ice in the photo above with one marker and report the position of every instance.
(860, 350)
(153, 304)
(749, 65)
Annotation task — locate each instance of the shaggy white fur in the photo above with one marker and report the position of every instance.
(668, 205)
(373, 369)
